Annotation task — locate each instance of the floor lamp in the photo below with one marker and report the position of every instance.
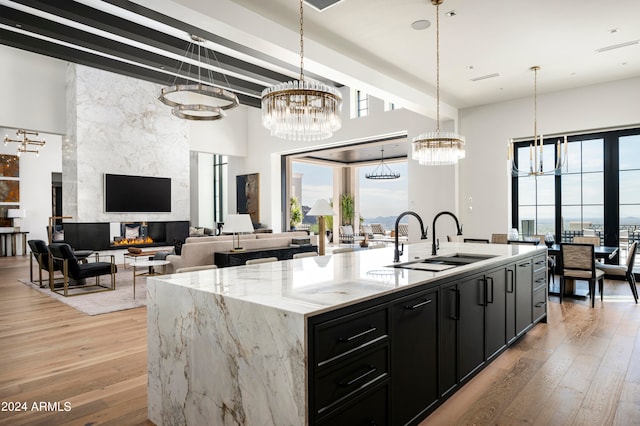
(321, 208)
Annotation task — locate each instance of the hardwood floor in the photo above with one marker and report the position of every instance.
(577, 369)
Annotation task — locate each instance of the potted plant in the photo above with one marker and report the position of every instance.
(347, 209)
(296, 213)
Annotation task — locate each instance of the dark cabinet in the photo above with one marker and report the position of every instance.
(510, 329)
(524, 294)
(414, 387)
(494, 315)
(448, 338)
(471, 326)
(395, 361)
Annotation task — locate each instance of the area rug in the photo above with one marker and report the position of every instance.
(106, 301)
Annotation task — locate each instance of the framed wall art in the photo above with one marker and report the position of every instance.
(248, 195)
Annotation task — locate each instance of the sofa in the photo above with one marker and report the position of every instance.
(199, 251)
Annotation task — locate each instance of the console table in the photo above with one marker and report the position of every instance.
(7, 237)
(237, 258)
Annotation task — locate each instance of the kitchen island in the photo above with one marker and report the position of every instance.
(334, 339)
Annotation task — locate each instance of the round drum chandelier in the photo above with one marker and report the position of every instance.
(301, 110)
(438, 148)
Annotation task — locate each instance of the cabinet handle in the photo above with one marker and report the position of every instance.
(540, 304)
(490, 278)
(524, 265)
(541, 262)
(455, 306)
(370, 370)
(541, 280)
(510, 271)
(424, 302)
(355, 336)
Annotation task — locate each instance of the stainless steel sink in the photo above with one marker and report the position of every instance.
(442, 263)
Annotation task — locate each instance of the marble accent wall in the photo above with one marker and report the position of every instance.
(219, 360)
(116, 125)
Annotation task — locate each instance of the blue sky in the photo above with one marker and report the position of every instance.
(377, 197)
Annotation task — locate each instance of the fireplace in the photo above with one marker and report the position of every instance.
(97, 235)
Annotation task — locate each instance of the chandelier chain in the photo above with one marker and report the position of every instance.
(301, 43)
(437, 67)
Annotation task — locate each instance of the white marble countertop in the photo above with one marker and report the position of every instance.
(311, 286)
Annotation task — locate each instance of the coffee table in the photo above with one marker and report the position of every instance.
(151, 264)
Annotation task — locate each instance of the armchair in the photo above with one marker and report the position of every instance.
(64, 258)
(40, 252)
(347, 235)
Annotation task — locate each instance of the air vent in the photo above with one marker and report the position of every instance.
(321, 5)
(484, 77)
(617, 46)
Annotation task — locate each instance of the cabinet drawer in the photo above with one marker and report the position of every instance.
(539, 263)
(371, 409)
(539, 279)
(360, 373)
(336, 338)
(539, 304)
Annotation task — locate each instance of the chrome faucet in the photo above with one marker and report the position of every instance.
(434, 245)
(423, 233)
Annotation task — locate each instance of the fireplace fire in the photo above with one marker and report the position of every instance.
(133, 241)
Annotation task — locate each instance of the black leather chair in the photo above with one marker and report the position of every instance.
(40, 252)
(64, 258)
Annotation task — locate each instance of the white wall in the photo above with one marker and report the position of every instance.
(431, 189)
(33, 91)
(484, 173)
(227, 136)
(35, 182)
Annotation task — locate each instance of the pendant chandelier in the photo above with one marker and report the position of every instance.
(536, 163)
(438, 148)
(301, 110)
(26, 144)
(382, 171)
(201, 100)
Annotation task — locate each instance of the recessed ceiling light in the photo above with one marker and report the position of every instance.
(613, 30)
(623, 64)
(451, 13)
(421, 24)
(469, 67)
(573, 73)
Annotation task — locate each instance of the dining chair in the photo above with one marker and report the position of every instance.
(579, 263)
(623, 239)
(305, 254)
(587, 240)
(499, 238)
(341, 250)
(524, 242)
(623, 272)
(195, 268)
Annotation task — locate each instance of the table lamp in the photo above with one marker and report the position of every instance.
(321, 208)
(236, 224)
(16, 215)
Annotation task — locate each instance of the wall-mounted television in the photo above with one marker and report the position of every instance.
(124, 193)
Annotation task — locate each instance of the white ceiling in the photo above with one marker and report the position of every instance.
(493, 36)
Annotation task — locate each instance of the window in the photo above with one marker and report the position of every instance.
(599, 187)
(380, 201)
(389, 106)
(362, 104)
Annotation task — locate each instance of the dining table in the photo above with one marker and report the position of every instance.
(609, 254)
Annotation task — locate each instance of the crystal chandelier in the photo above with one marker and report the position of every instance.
(536, 163)
(26, 144)
(382, 171)
(197, 101)
(301, 110)
(438, 148)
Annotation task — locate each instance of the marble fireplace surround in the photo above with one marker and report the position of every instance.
(98, 236)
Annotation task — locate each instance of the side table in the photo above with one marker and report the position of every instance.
(151, 264)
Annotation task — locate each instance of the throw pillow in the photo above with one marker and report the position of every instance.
(131, 232)
(195, 231)
(58, 236)
(135, 250)
(177, 247)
